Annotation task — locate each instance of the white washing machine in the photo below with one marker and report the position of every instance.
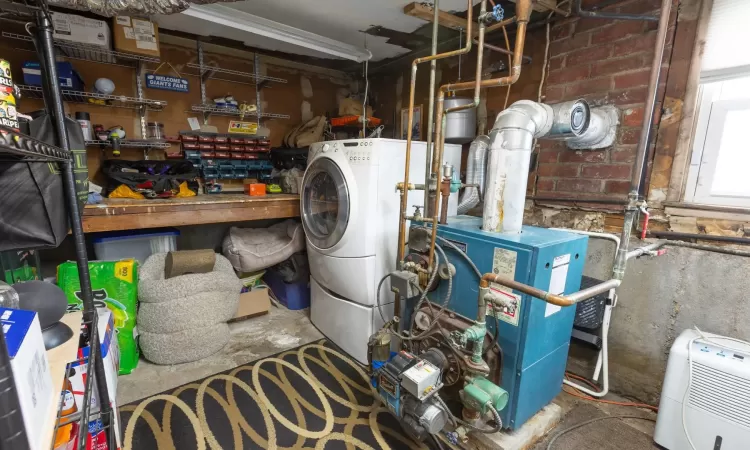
(350, 210)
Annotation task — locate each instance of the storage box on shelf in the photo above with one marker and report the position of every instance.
(136, 244)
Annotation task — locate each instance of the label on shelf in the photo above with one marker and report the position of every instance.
(235, 126)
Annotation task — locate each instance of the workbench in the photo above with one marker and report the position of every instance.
(130, 214)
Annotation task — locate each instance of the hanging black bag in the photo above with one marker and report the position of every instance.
(33, 213)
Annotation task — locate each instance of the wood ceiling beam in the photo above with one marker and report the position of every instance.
(445, 19)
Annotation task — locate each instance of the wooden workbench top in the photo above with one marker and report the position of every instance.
(129, 214)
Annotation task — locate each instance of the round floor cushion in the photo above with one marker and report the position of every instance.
(183, 346)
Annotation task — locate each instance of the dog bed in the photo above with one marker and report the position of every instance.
(184, 346)
(252, 249)
(184, 318)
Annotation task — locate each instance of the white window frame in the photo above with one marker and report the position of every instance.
(706, 144)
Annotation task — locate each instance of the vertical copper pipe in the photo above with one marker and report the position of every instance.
(431, 103)
(523, 12)
(410, 123)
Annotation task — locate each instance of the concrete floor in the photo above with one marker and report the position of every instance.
(279, 330)
(283, 329)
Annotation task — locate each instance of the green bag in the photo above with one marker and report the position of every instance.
(115, 285)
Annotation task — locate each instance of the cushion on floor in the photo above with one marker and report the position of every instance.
(184, 346)
(185, 313)
(251, 249)
(154, 288)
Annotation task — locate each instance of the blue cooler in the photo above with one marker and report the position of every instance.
(292, 295)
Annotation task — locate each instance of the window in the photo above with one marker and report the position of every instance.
(720, 165)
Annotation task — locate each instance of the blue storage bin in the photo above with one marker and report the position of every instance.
(292, 295)
(68, 76)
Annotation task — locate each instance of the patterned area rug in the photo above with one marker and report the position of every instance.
(310, 397)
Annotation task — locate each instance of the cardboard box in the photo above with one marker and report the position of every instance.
(351, 107)
(111, 357)
(81, 30)
(252, 303)
(23, 337)
(136, 36)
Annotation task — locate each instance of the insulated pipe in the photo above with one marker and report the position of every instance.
(476, 167)
(410, 123)
(431, 101)
(508, 163)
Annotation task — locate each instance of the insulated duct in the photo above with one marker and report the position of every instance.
(512, 139)
(476, 168)
(110, 8)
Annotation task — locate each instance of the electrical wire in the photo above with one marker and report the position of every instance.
(494, 429)
(712, 340)
(457, 250)
(447, 410)
(579, 394)
(583, 424)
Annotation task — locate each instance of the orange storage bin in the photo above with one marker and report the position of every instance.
(255, 189)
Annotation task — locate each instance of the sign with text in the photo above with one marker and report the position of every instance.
(235, 126)
(166, 83)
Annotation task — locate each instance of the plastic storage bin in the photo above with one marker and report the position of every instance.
(138, 245)
(292, 295)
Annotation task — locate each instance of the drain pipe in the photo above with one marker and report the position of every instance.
(639, 170)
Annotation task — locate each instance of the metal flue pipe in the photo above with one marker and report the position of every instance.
(523, 12)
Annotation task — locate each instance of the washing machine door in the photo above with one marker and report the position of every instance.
(326, 205)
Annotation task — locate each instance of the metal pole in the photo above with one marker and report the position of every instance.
(54, 103)
(431, 106)
(256, 69)
(202, 80)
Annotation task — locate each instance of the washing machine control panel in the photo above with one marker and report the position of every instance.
(355, 151)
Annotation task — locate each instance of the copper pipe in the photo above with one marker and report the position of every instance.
(410, 123)
(502, 23)
(495, 48)
(559, 300)
(431, 103)
(523, 12)
(445, 192)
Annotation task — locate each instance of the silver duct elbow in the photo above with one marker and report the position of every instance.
(512, 140)
(476, 166)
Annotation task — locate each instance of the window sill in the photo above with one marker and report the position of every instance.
(685, 209)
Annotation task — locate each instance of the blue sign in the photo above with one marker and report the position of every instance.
(166, 83)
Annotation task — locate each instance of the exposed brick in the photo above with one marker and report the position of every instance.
(616, 31)
(574, 42)
(545, 184)
(617, 187)
(558, 170)
(623, 153)
(608, 171)
(556, 62)
(640, 7)
(635, 44)
(612, 66)
(583, 156)
(578, 185)
(587, 55)
(568, 75)
(554, 94)
(629, 135)
(628, 96)
(590, 23)
(561, 31)
(633, 117)
(633, 79)
(588, 87)
(548, 156)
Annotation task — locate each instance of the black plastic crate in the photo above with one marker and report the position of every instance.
(590, 312)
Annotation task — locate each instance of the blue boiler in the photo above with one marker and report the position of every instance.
(534, 335)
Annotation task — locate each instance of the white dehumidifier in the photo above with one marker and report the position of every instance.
(712, 392)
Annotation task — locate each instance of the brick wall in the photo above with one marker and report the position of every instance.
(604, 62)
